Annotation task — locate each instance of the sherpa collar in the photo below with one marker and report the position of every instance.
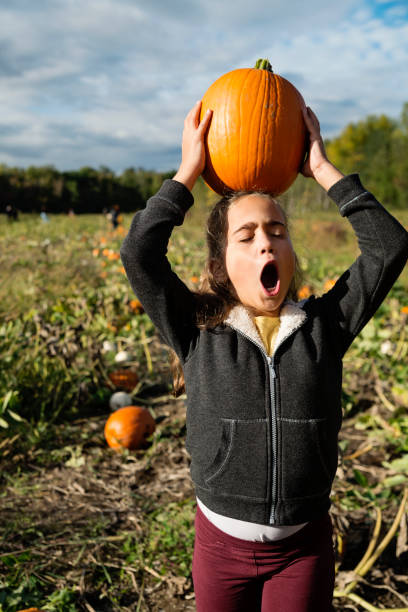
(292, 316)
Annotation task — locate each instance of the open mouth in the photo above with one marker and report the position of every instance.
(270, 278)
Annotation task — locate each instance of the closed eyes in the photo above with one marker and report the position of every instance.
(275, 234)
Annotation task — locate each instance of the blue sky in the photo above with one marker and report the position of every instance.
(108, 82)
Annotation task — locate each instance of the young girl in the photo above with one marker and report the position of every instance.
(263, 376)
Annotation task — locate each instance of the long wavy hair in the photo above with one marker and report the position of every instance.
(216, 295)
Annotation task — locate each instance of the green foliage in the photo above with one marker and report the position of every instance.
(85, 190)
(53, 363)
(171, 538)
(20, 591)
(376, 148)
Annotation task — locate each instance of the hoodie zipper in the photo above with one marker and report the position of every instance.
(274, 432)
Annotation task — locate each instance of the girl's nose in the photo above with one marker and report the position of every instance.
(266, 244)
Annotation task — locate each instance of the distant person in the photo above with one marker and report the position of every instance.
(263, 374)
(11, 212)
(115, 216)
(43, 215)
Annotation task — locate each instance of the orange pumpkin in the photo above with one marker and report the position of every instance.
(304, 292)
(136, 306)
(129, 427)
(30, 610)
(257, 135)
(329, 284)
(124, 379)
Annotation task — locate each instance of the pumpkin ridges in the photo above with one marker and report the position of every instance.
(265, 174)
(224, 137)
(283, 120)
(244, 100)
(264, 123)
(257, 135)
(267, 116)
(278, 170)
(282, 86)
(250, 170)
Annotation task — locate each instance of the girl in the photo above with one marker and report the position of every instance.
(263, 376)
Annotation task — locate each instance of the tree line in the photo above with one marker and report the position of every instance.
(83, 191)
(376, 147)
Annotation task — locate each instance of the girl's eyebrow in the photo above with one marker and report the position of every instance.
(251, 225)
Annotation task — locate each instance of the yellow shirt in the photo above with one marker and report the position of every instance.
(268, 328)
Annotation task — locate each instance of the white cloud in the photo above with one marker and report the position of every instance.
(109, 82)
(397, 11)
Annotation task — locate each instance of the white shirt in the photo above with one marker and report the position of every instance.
(252, 532)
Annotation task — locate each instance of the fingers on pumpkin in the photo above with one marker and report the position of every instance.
(205, 120)
(193, 114)
(311, 120)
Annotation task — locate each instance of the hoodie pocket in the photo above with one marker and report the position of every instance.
(240, 465)
(305, 471)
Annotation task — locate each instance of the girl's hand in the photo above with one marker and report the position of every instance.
(316, 155)
(193, 149)
(317, 165)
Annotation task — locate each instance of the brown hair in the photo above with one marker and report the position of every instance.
(216, 295)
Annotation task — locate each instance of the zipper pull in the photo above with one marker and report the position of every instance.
(271, 367)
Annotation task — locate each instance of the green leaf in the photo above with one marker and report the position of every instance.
(360, 478)
(6, 400)
(15, 416)
(393, 481)
(399, 465)
(369, 331)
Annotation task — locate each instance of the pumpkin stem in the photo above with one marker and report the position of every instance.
(263, 64)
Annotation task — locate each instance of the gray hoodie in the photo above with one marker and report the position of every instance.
(262, 431)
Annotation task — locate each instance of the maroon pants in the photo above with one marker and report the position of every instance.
(295, 574)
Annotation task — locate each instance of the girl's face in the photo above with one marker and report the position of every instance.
(259, 256)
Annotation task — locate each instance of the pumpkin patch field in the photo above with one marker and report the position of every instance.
(92, 527)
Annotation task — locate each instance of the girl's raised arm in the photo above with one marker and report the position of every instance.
(165, 298)
(382, 240)
(317, 165)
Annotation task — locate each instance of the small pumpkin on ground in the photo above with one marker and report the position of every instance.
(329, 284)
(124, 379)
(129, 427)
(304, 292)
(257, 136)
(30, 610)
(136, 306)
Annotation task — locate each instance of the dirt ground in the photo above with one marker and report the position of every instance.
(73, 515)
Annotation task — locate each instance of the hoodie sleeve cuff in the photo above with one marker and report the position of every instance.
(347, 192)
(177, 194)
